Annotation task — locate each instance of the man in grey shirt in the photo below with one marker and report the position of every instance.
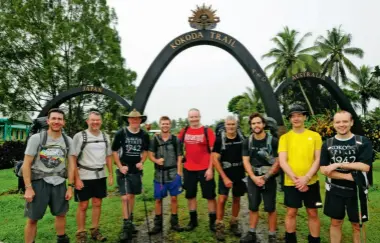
(44, 171)
(92, 152)
(166, 152)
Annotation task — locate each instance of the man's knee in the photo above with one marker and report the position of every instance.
(124, 198)
(355, 227)
(336, 223)
(131, 196)
(312, 213)
(83, 206)
(31, 222)
(96, 202)
(222, 199)
(236, 200)
(291, 212)
(173, 200)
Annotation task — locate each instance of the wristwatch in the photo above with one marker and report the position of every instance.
(71, 185)
(27, 186)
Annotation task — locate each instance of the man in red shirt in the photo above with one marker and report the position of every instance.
(198, 141)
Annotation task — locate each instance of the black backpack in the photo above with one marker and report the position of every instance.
(220, 131)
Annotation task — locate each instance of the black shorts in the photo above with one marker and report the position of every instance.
(266, 193)
(92, 188)
(238, 188)
(336, 207)
(129, 183)
(191, 179)
(47, 194)
(293, 198)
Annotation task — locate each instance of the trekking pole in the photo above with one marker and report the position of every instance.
(146, 209)
(361, 224)
(162, 204)
(129, 234)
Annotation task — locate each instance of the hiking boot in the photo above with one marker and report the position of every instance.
(134, 230)
(81, 237)
(272, 239)
(157, 228)
(250, 237)
(174, 223)
(212, 218)
(126, 231)
(193, 221)
(63, 239)
(235, 229)
(96, 235)
(220, 231)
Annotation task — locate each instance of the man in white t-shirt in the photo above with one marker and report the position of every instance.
(93, 151)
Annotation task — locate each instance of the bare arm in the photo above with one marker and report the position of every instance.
(336, 174)
(144, 156)
(179, 165)
(210, 166)
(218, 167)
(27, 169)
(283, 157)
(274, 169)
(116, 158)
(248, 167)
(72, 170)
(355, 166)
(315, 166)
(109, 165)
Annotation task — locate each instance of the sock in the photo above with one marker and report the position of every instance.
(271, 233)
(61, 236)
(312, 239)
(131, 216)
(290, 237)
(252, 230)
(193, 215)
(212, 216)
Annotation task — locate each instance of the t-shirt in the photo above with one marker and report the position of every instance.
(166, 150)
(230, 158)
(300, 148)
(52, 156)
(344, 151)
(93, 155)
(258, 151)
(130, 146)
(197, 155)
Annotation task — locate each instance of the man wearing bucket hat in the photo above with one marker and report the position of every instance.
(130, 150)
(299, 153)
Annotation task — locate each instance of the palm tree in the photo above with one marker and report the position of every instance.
(366, 86)
(334, 49)
(290, 58)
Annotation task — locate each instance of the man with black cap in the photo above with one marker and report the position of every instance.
(130, 150)
(299, 153)
(344, 158)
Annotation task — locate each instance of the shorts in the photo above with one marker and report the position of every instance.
(47, 194)
(191, 179)
(129, 183)
(336, 207)
(174, 188)
(238, 188)
(293, 198)
(92, 188)
(266, 193)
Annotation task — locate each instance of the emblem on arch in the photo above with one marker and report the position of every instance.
(203, 18)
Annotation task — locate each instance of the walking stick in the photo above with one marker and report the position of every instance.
(162, 204)
(363, 235)
(146, 209)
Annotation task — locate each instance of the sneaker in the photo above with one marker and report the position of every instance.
(235, 229)
(272, 239)
(250, 237)
(191, 226)
(220, 236)
(96, 235)
(63, 239)
(81, 237)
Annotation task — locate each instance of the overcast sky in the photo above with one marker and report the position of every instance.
(207, 77)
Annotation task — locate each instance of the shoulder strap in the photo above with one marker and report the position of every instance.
(67, 144)
(250, 138)
(43, 140)
(269, 143)
(174, 143)
(105, 140)
(358, 141)
(329, 144)
(84, 143)
(205, 129)
(184, 133)
(223, 140)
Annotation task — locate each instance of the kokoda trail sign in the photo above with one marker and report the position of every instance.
(204, 21)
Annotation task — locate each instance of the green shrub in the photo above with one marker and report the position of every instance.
(11, 151)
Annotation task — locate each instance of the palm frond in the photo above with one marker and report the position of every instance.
(354, 51)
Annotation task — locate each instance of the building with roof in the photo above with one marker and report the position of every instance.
(14, 128)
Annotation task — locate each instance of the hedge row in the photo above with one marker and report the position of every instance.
(11, 151)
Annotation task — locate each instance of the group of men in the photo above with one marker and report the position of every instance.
(299, 153)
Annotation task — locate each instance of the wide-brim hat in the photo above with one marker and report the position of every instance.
(297, 109)
(134, 113)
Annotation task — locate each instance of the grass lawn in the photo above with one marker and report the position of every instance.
(12, 220)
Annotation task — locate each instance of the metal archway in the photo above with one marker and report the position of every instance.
(343, 102)
(217, 39)
(65, 96)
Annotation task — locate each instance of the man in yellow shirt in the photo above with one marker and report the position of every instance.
(299, 152)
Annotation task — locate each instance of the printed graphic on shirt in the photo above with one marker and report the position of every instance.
(343, 154)
(194, 139)
(133, 146)
(52, 156)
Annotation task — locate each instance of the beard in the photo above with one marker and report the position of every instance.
(257, 132)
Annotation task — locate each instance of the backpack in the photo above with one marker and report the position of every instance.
(158, 144)
(220, 130)
(85, 142)
(358, 142)
(268, 139)
(43, 140)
